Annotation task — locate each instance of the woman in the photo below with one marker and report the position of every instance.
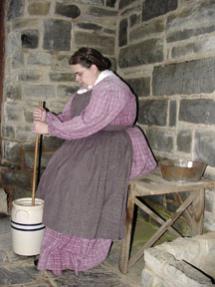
(85, 183)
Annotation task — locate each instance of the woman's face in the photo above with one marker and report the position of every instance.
(85, 76)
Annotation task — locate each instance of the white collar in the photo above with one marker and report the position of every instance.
(101, 76)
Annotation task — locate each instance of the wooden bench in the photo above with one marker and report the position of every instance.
(152, 185)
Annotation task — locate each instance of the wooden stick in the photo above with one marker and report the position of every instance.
(35, 168)
(35, 171)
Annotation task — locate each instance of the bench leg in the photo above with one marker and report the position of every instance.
(126, 242)
(163, 228)
(197, 209)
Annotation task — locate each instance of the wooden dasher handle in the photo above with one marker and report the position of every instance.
(36, 159)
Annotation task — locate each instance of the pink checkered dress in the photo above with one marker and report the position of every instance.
(112, 103)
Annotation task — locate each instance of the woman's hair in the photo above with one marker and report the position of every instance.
(89, 56)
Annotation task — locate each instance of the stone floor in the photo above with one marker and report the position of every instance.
(19, 270)
(183, 262)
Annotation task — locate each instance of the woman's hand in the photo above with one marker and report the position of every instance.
(41, 128)
(39, 114)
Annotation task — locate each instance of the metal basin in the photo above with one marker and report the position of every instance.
(182, 170)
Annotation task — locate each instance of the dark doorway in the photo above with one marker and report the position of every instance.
(2, 42)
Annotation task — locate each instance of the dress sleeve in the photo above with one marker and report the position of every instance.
(105, 104)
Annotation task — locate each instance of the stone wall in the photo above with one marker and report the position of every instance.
(40, 37)
(166, 52)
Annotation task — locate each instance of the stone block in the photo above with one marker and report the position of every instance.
(23, 23)
(184, 141)
(191, 21)
(123, 30)
(205, 45)
(134, 19)
(188, 33)
(30, 39)
(60, 62)
(101, 42)
(92, 2)
(13, 48)
(205, 146)
(12, 152)
(13, 43)
(71, 11)
(13, 113)
(13, 92)
(29, 75)
(147, 52)
(209, 224)
(89, 26)
(153, 112)
(172, 113)
(28, 114)
(109, 31)
(61, 77)
(38, 92)
(124, 3)
(177, 270)
(18, 60)
(39, 8)
(197, 111)
(191, 77)
(182, 51)
(8, 132)
(155, 8)
(39, 58)
(113, 64)
(146, 29)
(135, 8)
(24, 132)
(15, 9)
(57, 35)
(101, 12)
(160, 140)
(140, 86)
(210, 201)
(111, 3)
